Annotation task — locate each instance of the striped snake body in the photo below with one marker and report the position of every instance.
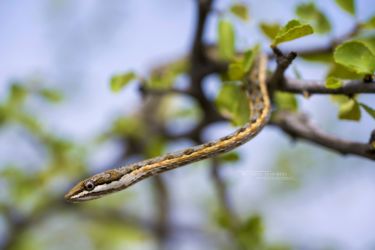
(117, 179)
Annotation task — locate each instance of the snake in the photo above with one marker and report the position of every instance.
(117, 179)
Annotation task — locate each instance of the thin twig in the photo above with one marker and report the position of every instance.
(162, 202)
(224, 202)
(198, 52)
(283, 62)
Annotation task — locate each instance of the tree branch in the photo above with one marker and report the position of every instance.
(283, 62)
(315, 87)
(198, 51)
(299, 126)
(159, 92)
(222, 192)
(224, 202)
(162, 202)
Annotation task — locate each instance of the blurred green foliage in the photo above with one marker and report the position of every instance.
(310, 13)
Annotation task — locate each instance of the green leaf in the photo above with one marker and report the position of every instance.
(229, 157)
(319, 57)
(355, 56)
(226, 39)
(347, 5)
(162, 80)
(291, 31)
(235, 71)
(155, 147)
(322, 25)
(370, 24)
(250, 234)
(286, 101)
(249, 58)
(127, 127)
(369, 41)
(339, 99)
(306, 10)
(310, 13)
(333, 83)
(350, 111)
(368, 109)
(118, 82)
(3, 115)
(18, 94)
(342, 72)
(232, 103)
(30, 122)
(51, 95)
(223, 219)
(240, 10)
(270, 29)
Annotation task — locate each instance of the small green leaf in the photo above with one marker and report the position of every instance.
(333, 83)
(223, 219)
(368, 109)
(51, 95)
(339, 99)
(226, 39)
(3, 115)
(270, 29)
(155, 147)
(232, 103)
(235, 71)
(250, 234)
(30, 122)
(240, 10)
(165, 79)
(118, 82)
(229, 157)
(306, 10)
(18, 93)
(350, 111)
(370, 24)
(293, 30)
(322, 25)
(286, 101)
(347, 5)
(310, 13)
(356, 56)
(127, 127)
(249, 57)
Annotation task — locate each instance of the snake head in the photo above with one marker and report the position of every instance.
(95, 186)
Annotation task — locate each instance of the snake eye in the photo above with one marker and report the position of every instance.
(89, 185)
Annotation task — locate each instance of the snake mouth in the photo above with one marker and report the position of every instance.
(73, 195)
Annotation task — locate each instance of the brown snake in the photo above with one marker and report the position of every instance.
(114, 180)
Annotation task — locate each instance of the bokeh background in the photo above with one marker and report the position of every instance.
(64, 52)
